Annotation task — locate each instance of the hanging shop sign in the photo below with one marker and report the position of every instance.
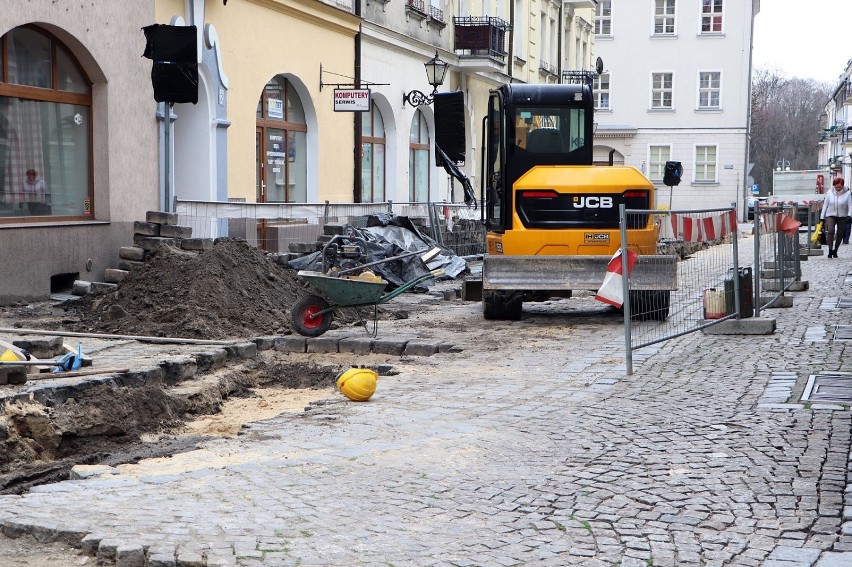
(351, 100)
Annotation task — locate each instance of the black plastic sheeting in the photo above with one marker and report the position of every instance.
(386, 236)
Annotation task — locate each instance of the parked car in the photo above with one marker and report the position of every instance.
(754, 202)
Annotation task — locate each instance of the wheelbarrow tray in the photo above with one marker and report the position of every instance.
(345, 291)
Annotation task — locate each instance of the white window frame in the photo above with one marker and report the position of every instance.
(667, 18)
(700, 168)
(603, 19)
(707, 18)
(709, 90)
(653, 164)
(552, 58)
(519, 32)
(600, 91)
(662, 90)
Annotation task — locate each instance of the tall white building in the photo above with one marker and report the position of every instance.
(676, 87)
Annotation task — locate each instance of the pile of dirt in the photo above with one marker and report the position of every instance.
(230, 291)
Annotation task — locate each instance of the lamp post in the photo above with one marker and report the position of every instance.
(782, 165)
(436, 72)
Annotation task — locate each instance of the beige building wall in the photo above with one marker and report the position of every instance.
(107, 39)
(260, 39)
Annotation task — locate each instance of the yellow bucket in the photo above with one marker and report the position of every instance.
(357, 384)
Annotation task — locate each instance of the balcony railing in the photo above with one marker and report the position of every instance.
(437, 14)
(417, 8)
(480, 37)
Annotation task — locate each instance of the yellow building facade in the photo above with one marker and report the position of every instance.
(264, 129)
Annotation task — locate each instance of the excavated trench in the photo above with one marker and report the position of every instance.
(112, 423)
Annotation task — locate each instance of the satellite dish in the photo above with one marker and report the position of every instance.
(599, 65)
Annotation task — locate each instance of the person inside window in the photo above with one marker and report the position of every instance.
(835, 208)
(35, 194)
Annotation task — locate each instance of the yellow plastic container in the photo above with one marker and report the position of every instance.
(9, 356)
(357, 384)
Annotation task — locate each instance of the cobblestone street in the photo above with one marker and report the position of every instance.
(531, 446)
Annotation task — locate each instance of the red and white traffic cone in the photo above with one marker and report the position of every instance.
(612, 289)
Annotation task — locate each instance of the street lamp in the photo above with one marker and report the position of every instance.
(782, 165)
(436, 71)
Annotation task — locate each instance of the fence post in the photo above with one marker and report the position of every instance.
(756, 275)
(625, 286)
(779, 254)
(797, 256)
(736, 259)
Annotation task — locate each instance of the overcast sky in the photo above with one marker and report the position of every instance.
(808, 40)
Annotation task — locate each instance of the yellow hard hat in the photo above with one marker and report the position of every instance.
(9, 356)
(357, 384)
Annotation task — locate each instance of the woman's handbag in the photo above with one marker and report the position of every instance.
(819, 234)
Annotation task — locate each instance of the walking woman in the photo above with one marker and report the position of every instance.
(836, 207)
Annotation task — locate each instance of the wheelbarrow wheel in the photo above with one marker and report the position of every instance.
(305, 320)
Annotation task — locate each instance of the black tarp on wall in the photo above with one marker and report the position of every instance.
(449, 126)
(175, 71)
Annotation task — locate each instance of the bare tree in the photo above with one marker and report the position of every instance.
(785, 115)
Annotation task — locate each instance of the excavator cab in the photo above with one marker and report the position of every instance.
(527, 126)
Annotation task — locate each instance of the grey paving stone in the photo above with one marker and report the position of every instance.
(355, 345)
(292, 343)
(241, 350)
(388, 346)
(830, 559)
(129, 555)
(322, 344)
(416, 348)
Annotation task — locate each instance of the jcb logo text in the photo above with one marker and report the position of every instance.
(593, 202)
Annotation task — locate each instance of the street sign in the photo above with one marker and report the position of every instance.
(351, 100)
(755, 190)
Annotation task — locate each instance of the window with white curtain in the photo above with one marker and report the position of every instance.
(657, 158)
(664, 17)
(662, 87)
(705, 164)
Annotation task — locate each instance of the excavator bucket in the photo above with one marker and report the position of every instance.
(534, 273)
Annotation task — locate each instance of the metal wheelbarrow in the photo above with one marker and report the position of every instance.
(312, 315)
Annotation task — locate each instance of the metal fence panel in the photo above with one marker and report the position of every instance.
(275, 226)
(777, 253)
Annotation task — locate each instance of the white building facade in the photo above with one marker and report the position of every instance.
(676, 87)
(835, 147)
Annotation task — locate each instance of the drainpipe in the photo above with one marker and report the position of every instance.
(357, 118)
(559, 34)
(510, 64)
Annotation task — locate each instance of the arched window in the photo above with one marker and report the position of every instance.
(282, 167)
(418, 159)
(45, 129)
(372, 156)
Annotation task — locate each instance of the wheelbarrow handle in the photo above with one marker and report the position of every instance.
(408, 285)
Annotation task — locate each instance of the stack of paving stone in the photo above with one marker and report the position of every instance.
(158, 229)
